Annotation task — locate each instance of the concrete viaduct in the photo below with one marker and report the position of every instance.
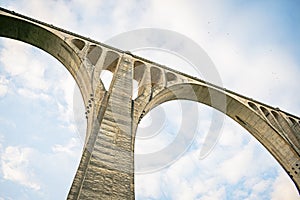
(106, 169)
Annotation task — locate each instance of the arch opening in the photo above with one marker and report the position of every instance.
(200, 93)
(34, 112)
(94, 54)
(155, 76)
(236, 160)
(106, 76)
(138, 75)
(270, 117)
(41, 38)
(135, 89)
(171, 77)
(78, 43)
(109, 67)
(253, 106)
(111, 61)
(295, 125)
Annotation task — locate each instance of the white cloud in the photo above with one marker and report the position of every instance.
(65, 107)
(3, 86)
(281, 189)
(44, 11)
(236, 167)
(231, 136)
(254, 74)
(37, 171)
(259, 189)
(15, 166)
(17, 61)
(70, 106)
(42, 78)
(70, 148)
(214, 194)
(33, 95)
(149, 185)
(1, 141)
(262, 75)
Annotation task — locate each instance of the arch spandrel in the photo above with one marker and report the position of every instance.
(276, 130)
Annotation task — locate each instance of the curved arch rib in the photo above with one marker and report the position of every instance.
(106, 166)
(276, 130)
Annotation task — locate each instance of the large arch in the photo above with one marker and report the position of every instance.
(62, 46)
(50, 42)
(189, 173)
(66, 48)
(157, 86)
(241, 110)
(84, 59)
(35, 115)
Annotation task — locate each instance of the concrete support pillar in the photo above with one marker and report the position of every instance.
(106, 168)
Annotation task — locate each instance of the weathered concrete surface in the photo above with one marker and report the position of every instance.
(106, 167)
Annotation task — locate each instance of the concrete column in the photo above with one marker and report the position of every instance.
(106, 168)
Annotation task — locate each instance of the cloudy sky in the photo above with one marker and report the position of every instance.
(254, 46)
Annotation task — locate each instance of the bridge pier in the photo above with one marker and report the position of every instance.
(106, 168)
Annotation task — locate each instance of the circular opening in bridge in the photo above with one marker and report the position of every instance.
(39, 145)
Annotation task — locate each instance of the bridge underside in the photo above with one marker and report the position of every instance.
(106, 167)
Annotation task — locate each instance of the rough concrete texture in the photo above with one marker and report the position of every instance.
(106, 169)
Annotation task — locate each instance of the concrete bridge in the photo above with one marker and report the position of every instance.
(106, 169)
